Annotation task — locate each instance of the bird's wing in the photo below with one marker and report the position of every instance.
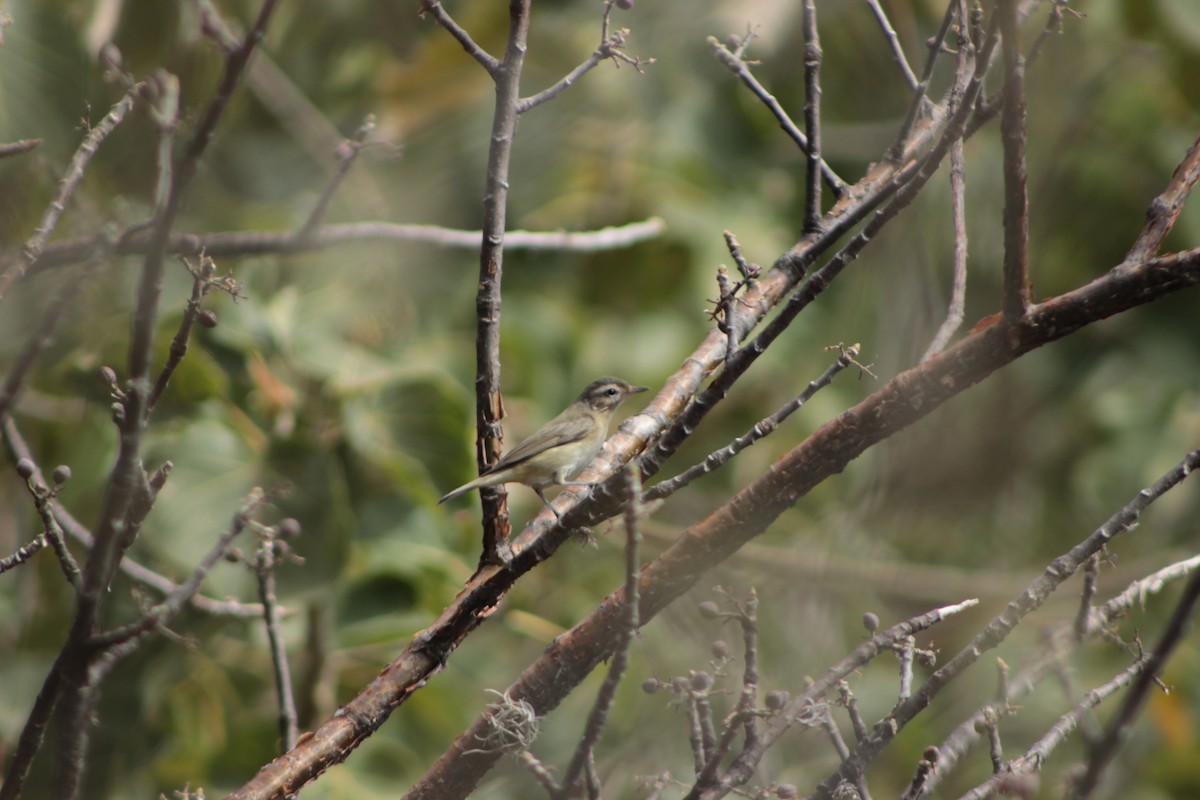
(554, 434)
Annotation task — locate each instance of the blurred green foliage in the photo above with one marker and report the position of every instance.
(342, 379)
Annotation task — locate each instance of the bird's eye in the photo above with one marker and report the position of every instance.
(610, 391)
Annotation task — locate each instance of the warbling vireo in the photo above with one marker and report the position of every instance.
(564, 445)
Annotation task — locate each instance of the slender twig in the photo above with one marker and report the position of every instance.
(958, 210)
(609, 48)
(229, 244)
(23, 553)
(734, 63)
(762, 428)
(32, 249)
(1165, 208)
(18, 147)
(443, 18)
(598, 716)
(894, 42)
(839, 745)
(272, 544)
(1018, 291)
(850, 702)
(1118, 728)
(812, 118)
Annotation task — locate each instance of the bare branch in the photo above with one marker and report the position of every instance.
(734, 63)
(894, 42)
(1018, 291)
(812, 118)
(443, 18)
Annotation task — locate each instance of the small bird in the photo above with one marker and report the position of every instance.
(564, 445)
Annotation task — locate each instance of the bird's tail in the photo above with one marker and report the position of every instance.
(466, 487)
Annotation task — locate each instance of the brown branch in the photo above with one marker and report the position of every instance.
(1018, 290)
(489, 405)
(1164, 210)
(812, 118)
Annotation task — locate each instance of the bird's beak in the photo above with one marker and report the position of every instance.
(636, 389)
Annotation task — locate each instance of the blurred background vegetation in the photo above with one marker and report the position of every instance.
(345, 376)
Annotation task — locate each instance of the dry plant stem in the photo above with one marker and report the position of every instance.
(229, 244)
(763, 427)
(812, 118)
(33, 247)
(598, 716)
(737, 66)
(998, 629)
(265, 563)
(18, 147)
(894, 42)
(1118, 728)
(1018, 291)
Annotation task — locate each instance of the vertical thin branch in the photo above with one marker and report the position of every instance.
(620, 660)
(489, 406)
(958, 204)
(264, 568)
(1018, 292)
(812, 118)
